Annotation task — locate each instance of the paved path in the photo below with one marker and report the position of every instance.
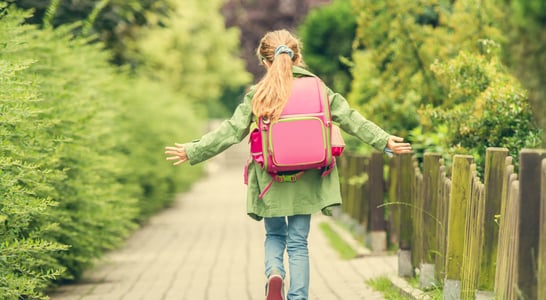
(205, 247)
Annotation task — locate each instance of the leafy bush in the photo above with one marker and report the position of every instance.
(81, 153)
(26, 194)
(487, 108)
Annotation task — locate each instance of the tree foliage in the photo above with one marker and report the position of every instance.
(397, 78)
(393, 76)
(115, 22)
(255, 18)
(525, 50)
(194, 53)
(327, 33)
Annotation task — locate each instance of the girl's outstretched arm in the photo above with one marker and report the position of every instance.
(231, 131)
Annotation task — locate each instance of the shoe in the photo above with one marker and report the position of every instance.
(274, 289)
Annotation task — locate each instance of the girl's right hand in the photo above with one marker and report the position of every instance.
(394, 143)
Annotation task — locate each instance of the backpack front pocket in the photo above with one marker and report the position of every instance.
(298, 141)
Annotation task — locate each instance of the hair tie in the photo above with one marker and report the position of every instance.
(284, 49)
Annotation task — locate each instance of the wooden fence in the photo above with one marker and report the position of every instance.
(478, 239)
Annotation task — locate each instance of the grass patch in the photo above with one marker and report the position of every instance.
(391, 292)
(343, 248)
(385, 287)
(435, 293)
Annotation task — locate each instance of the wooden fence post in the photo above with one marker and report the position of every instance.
(344, 174)
(405, 179)
(393, 208)
(364, 199)
(505, 281)
(473, 237)
(494, 181)
(358, 169)
(417, 214)
(375, 197)
(350, 171)
(529, 178)
(512, 258)
(441, 230)
(431, 186)
(460, 195)
(542, 246)
(361, 171)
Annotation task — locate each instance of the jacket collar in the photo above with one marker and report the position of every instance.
(299, 72)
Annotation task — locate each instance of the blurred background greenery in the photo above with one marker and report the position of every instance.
(91, 91)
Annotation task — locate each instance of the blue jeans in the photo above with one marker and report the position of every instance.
(289, 233)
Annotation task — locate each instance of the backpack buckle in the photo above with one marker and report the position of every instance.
(288, 178)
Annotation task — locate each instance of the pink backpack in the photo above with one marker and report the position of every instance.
(303, 138)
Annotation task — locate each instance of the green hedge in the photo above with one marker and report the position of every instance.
(81, 154)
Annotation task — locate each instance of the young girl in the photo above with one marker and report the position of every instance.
(287, 207)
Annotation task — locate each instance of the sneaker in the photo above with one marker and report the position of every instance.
(274, 289)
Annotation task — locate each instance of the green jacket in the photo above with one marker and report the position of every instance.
(310, 193)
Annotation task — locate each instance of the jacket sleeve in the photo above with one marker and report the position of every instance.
(352, 122)
(230, 132)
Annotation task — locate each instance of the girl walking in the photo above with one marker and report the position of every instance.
(286, 208)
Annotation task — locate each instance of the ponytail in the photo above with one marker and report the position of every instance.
(279, 50)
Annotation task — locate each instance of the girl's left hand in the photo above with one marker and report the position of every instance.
(394, 143)
(178, 152)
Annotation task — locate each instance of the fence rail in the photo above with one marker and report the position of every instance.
(475, 238)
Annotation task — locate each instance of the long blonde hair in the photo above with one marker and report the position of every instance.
(273, 90)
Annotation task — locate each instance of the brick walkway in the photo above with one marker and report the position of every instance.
(205, 247)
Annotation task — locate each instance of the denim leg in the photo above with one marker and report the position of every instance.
(275, 243)
(298, 256)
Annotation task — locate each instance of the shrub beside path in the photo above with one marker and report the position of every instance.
(206, 247)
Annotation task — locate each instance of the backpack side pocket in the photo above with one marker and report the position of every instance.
(256, 148)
